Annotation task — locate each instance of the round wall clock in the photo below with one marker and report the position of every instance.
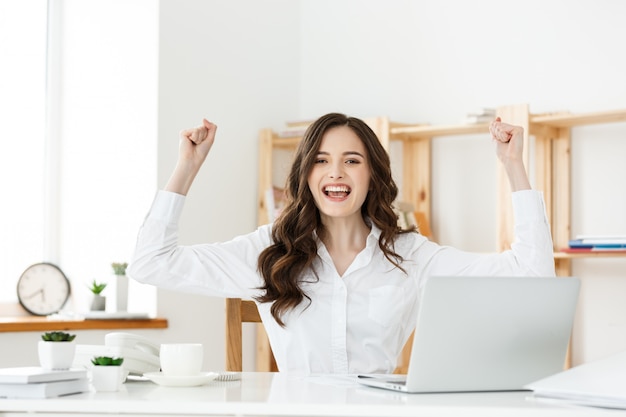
(43, 289)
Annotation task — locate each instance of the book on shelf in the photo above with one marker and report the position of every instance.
(483, 111)
(599, 240)
(44, 389)
(291, 132)
(274, 202)
(294, 128)
(477, 119)
(35, 374)
(484, 115)
(299, 123)
(596, 244)
(409, 218)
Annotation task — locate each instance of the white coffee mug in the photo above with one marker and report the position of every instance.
(181, 359)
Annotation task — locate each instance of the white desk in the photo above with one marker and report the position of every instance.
(276, 394)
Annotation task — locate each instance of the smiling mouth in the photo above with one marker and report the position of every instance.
(337, 191)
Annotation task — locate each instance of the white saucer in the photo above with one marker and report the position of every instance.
(180, 381)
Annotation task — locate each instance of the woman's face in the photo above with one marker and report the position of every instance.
(340, 177)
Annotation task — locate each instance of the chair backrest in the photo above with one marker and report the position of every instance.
(240, 311)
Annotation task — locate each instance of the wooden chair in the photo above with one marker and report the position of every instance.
(240, 311)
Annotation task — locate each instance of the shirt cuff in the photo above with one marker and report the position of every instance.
(167, 206)
(528, 206)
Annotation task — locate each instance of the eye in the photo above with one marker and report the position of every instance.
(320, 161)
(352, 161)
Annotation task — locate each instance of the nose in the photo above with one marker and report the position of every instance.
(335, 171)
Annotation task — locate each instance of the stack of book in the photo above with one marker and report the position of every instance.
(294, 129)
(484, 115)
(597, 243)
(36, 382)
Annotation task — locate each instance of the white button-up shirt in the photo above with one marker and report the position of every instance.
(355, 323)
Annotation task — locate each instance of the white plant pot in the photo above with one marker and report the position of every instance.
(56, 355)
(98, 303)
(107, 378)
(121, 293)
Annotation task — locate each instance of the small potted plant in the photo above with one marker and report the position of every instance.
(121, 285)
(107, 373)
(56, 350)
(99, 301)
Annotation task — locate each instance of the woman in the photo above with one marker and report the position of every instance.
(336, 281)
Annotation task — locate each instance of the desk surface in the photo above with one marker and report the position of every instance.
(278, 394)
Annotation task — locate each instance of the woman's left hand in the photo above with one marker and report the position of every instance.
(509, 141)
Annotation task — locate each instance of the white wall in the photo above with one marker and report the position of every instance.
(236, 63)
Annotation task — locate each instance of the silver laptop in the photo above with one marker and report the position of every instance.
(487, 334)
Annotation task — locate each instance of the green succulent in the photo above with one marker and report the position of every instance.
(119, 268)
(57, 337)
(97, 288)
(106, 361)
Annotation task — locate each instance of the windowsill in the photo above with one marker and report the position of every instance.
(37, 324)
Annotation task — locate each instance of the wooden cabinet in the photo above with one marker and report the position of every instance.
(550, 161)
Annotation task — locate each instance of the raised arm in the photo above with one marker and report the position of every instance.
(509, 141)
(194, 146)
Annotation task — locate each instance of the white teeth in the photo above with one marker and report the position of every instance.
(337, 189)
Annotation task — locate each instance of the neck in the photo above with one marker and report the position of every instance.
(345, 233)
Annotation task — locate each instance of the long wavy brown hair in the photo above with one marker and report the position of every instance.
(295, 246)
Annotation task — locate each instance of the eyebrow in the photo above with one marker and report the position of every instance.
(347, 153)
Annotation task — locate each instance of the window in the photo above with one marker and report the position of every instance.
(79, 186)
(22, 130)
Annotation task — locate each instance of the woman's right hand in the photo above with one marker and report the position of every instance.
(195, 143)
(194, 146)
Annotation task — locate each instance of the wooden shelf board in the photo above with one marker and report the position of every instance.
(569, 120)
(408, 131)
(285, 142)
(598, 254)
(422, 131)
(42, 324)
